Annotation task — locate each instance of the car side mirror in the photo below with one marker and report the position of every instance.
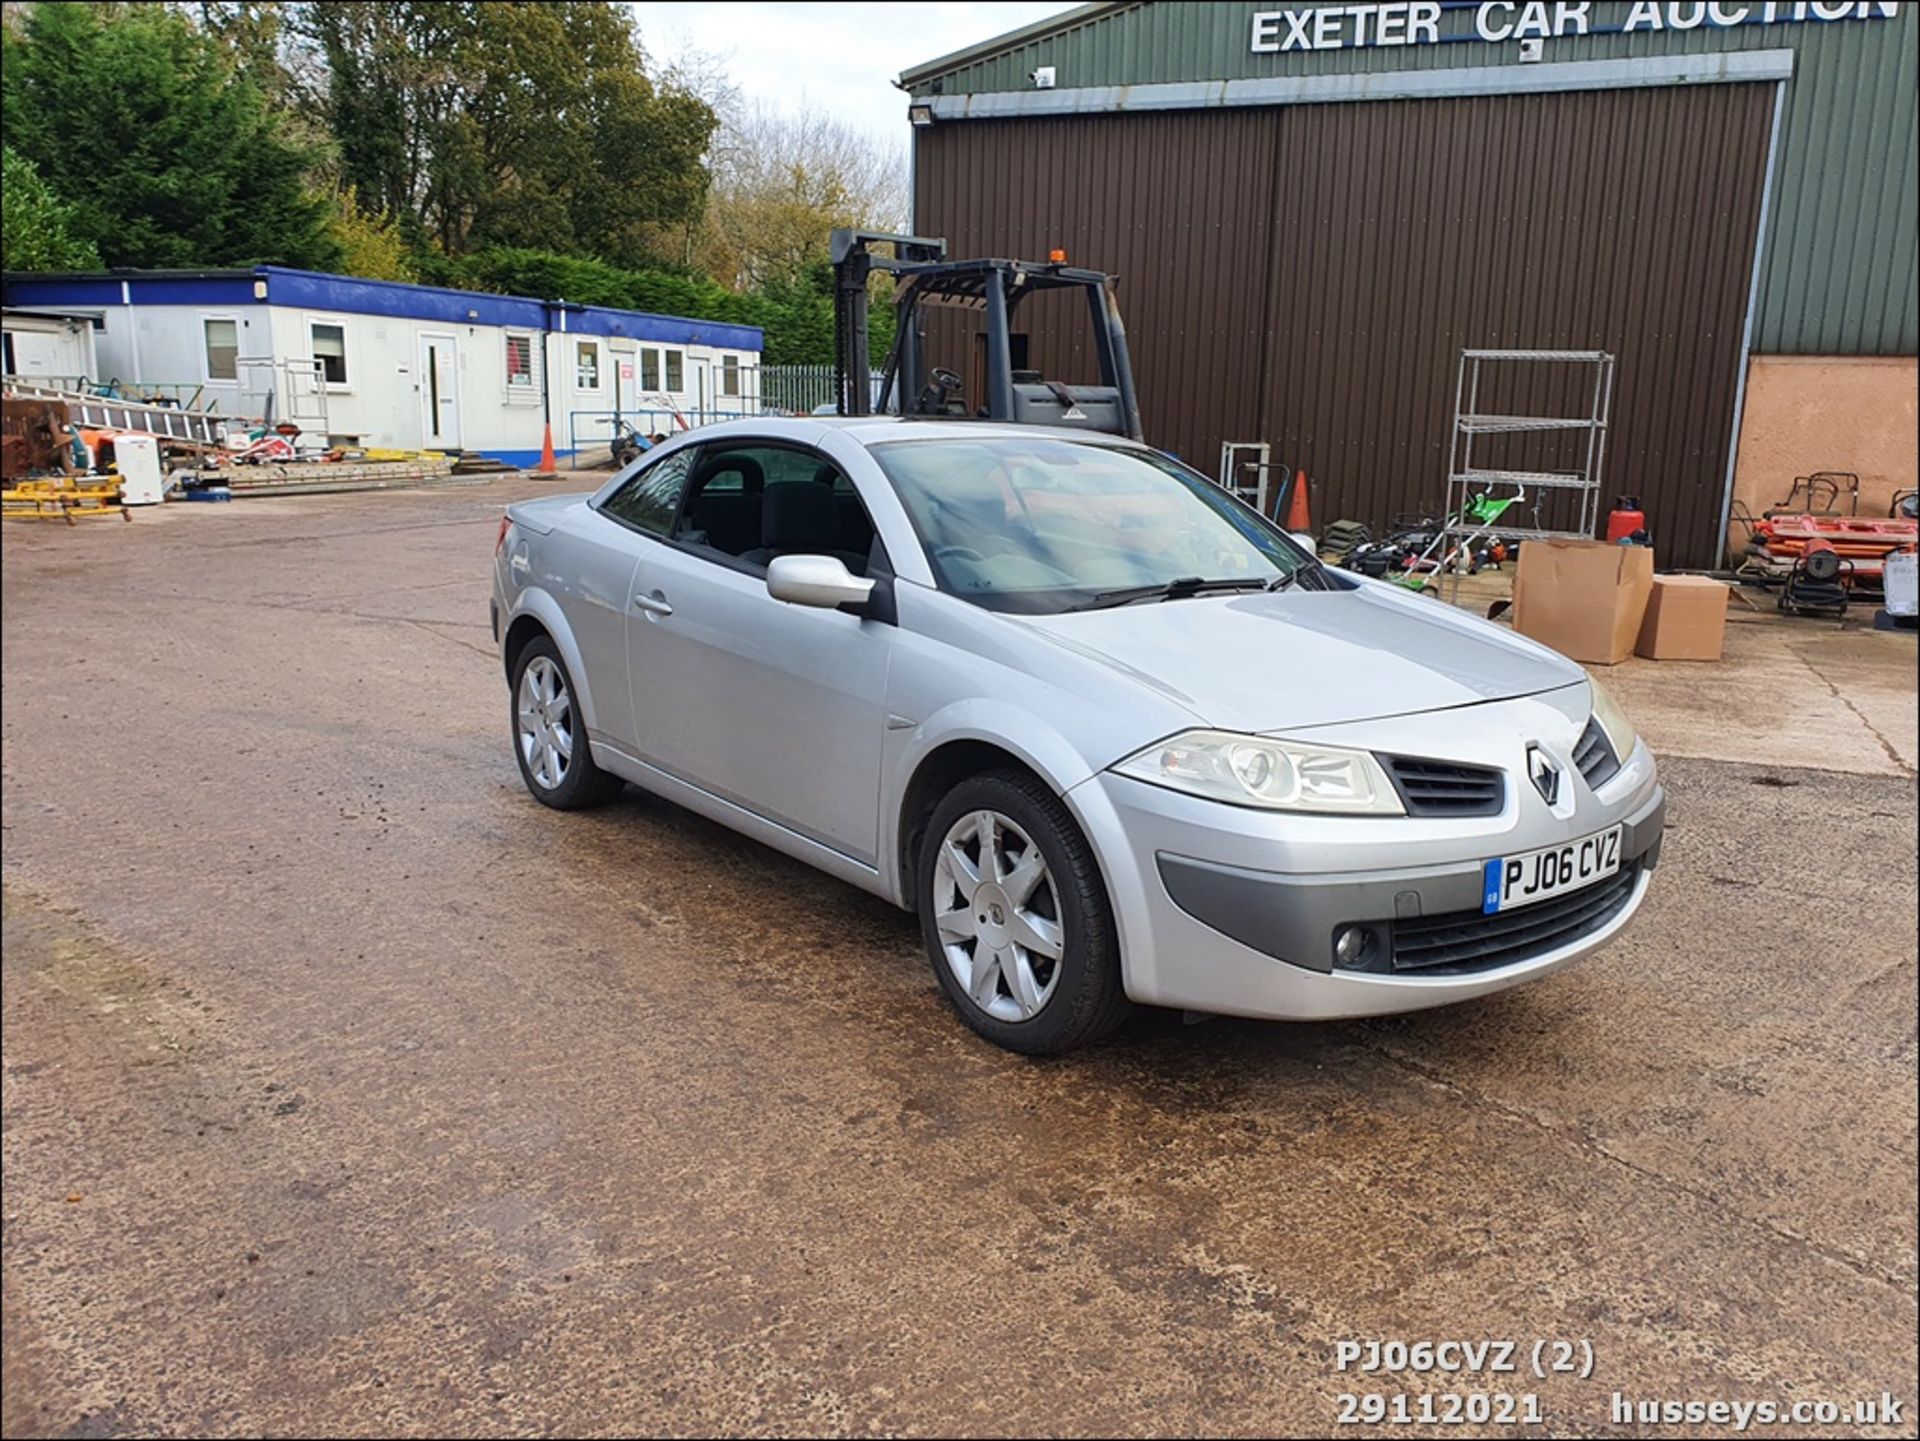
(818, 580)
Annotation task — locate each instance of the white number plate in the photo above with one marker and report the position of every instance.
(1512, 881)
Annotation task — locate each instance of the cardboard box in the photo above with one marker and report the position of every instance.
(1686, 619)
(1584, 598)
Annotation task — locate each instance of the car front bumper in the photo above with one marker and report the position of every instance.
(1233, 911)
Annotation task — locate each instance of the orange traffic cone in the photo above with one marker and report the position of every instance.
(1298, 519)
(547, 464)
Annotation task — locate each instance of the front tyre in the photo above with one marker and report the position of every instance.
(1016, 917)
(550, 736)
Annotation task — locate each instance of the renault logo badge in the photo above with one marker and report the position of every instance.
(1545, 772)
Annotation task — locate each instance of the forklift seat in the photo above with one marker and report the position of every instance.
(1079, 407)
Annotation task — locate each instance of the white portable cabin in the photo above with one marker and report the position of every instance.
(415, 367)
(46, 346)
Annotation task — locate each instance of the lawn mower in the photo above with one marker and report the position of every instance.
(1469, 551)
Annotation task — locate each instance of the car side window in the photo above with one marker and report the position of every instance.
(752, 503)
(651, 499)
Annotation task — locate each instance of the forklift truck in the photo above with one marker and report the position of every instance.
(995, 288)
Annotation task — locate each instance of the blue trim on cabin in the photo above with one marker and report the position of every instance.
(309, 290)
(526, 459)
(210, 291)
(346, 294)
(61, 292)
(312, 290)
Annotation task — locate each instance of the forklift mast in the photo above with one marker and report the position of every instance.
(996, 289)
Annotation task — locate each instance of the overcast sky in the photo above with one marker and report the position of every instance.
(844, 56)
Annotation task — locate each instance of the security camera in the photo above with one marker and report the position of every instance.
(1042, 78)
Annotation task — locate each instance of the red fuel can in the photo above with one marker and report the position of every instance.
(1624, 519)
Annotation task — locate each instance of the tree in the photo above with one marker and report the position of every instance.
(682, 68)
(387, 84)
(169, 155)
(255, 34)
(36, 226)
(781, 183)
(493, 121)
(372, 243)
(797, 317)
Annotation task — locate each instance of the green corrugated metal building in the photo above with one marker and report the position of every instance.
(1822, 373)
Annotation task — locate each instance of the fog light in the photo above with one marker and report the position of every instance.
(1351, 944)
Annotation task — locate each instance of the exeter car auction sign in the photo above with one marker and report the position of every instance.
(1417, 22)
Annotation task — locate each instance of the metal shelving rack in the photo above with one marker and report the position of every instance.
(1465, 479)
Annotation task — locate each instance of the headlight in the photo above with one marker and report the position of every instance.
(1273, 774)
(1614, 722)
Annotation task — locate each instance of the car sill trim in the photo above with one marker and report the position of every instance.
(752, 824)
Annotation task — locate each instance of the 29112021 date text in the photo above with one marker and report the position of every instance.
(1445, 1408)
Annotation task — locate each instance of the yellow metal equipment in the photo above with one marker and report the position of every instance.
(63, 499)
(377, 455)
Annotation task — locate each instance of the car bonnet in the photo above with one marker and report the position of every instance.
(1295, 659)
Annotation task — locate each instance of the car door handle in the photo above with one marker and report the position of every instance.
(655, 604)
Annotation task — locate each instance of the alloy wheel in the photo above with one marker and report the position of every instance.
(544, 714)
(998, 916)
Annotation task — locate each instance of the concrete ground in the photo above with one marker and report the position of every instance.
(346, 1089)
(1789, 690)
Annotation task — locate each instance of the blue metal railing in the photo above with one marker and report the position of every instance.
(590, 432)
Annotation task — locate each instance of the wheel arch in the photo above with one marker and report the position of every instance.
(536, 613)
(971, 748)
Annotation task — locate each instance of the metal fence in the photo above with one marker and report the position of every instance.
(799, 389)
(783, 390)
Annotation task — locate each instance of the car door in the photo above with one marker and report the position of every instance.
(593, 563)
(775, 707)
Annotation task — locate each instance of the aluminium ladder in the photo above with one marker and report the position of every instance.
(99, 412)
(1574, 491)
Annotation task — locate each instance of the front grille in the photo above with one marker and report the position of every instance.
(1463, 942)
(1594, 755)
(1444, 788)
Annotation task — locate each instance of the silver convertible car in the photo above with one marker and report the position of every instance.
(1112, 735)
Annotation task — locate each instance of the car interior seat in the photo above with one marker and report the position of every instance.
(722, 514)
(800, 517)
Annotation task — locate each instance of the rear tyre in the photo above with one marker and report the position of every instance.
(1016, 918)
(549, 735)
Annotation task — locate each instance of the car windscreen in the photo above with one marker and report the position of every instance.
(1043, 524)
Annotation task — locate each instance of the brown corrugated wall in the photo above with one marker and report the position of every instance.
(1307, 275)
(1179, 206)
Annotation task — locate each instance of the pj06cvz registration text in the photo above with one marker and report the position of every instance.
(1531, 876)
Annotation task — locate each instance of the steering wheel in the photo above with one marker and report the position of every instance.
(957, 552)
(945, 379)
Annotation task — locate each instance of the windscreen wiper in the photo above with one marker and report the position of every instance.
(1285, 581)
(1177, 589)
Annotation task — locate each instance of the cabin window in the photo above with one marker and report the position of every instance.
(330, 351)
(586, 364)
(223, 349)
(520, 361)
